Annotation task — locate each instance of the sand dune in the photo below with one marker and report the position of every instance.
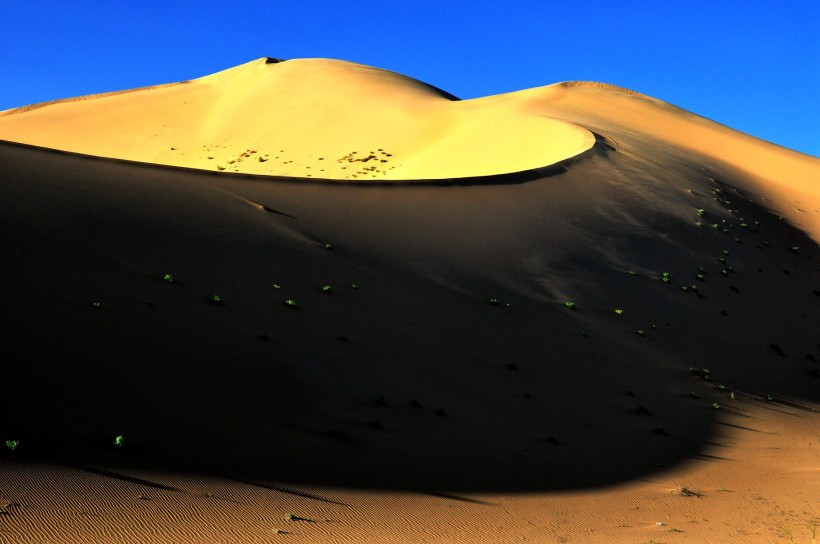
(307, 118)
(770, 171)
(619, 346)
(329, 119)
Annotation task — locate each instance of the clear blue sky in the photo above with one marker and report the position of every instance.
(753, 65)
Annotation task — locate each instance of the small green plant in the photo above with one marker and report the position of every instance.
(715, 406)
(118, 440)
(327, 289)
(96, 304)
(216, 299)
(169, 278)
(619, 311)
(633, 273)
(354, 286)
(701, 211)
(732, 395)
(641, 332)
(493, 301)
(328, 246)
(769, 398)
(570, 305)
(666, 277)
(290, 303)
(277, 286)
(12, 444)
(701, 372)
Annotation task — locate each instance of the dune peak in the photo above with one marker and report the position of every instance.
(306, 118)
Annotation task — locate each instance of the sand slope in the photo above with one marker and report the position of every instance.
(330, 119)
(307, 118)
(770, 171)
(441, 389)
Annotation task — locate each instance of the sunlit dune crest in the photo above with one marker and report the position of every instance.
(305, 118)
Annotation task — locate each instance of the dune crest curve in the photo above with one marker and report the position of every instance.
(305, 118)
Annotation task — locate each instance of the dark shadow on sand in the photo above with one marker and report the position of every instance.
(97, 344)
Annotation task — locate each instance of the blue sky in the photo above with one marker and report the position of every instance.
(752, 65)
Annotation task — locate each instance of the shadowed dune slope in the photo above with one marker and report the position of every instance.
(330, 392)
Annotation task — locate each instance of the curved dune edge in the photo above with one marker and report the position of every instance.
(306, 118)
(601, 147)
(784, 179)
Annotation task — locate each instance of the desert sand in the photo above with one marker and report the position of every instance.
(568, 314)
(308, 118)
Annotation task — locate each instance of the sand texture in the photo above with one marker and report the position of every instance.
(314, 118)
(567, 314)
